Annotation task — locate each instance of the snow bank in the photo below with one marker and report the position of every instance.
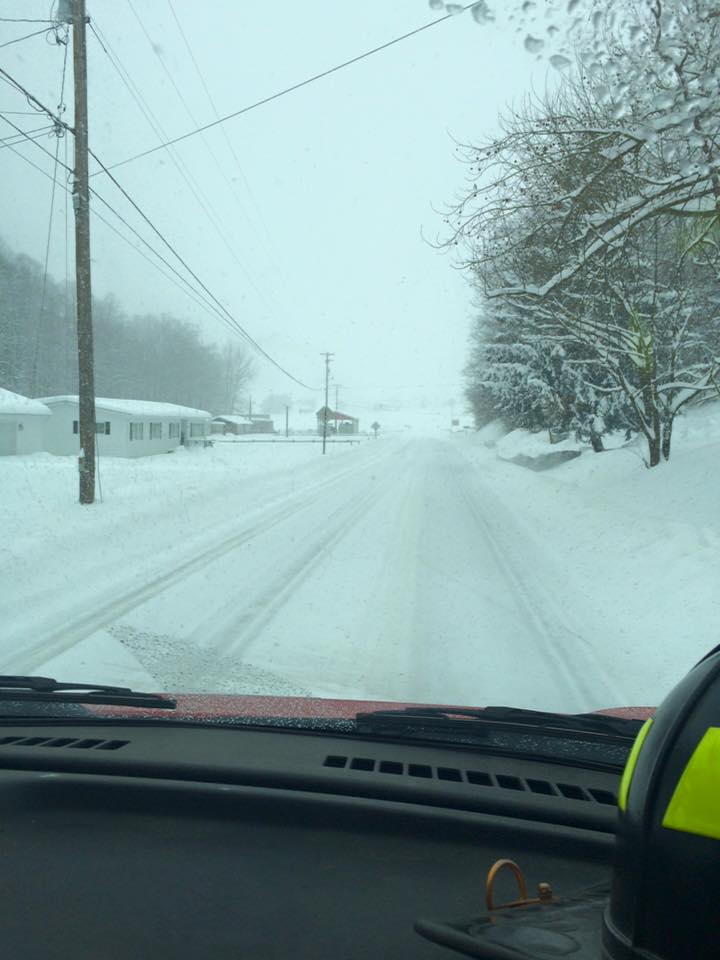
(527, 444)
(641, 547)
(490, 434)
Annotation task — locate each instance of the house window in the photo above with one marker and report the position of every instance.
(103, 427)
(197, 429)
(136, 431)
(173, 430)
(156, 431)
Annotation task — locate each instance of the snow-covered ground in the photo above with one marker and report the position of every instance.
(420, 566)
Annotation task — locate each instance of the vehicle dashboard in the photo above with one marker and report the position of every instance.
(130, 840)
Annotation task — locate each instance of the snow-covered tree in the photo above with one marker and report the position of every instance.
(595, 215)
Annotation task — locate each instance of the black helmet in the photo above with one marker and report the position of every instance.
(664, 902)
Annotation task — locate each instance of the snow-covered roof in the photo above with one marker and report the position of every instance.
(138, 408)
(15, 403)
(232, 418)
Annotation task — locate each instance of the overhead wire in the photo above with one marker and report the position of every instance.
(228, 141)
(67, 244)
(178, 91)
(59, 133)
(219, 308)
(27, 36)
(250, 339)
(292, 88)
(192, 184)
(208, 307)
(34, 134)
(190, 291)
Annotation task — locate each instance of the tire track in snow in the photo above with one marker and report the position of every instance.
(560, 643)
(245, 627)
(61, 638)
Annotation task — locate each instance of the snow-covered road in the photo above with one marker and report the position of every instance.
(392, 571)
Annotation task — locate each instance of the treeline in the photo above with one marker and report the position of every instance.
(591, 232)
(148, 357)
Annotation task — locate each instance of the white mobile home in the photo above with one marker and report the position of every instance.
(125, 428)
(22, 423)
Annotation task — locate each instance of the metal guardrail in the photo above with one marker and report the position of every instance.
(219, 439)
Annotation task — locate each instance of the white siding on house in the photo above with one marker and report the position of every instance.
(140, 430)
(22, 424)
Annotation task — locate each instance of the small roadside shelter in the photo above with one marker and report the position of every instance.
(336, 422)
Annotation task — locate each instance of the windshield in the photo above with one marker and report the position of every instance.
(360, 352)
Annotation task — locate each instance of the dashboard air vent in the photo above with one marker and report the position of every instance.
(76, 743)
(481, 778)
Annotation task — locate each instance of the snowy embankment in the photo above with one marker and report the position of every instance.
(642, 546)
(60, 560)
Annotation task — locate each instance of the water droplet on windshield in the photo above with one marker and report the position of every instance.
(533, 44)
(482, 13)
(560, 62)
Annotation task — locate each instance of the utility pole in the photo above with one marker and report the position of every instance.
(327, 385)
(81, 204)
(287, 421)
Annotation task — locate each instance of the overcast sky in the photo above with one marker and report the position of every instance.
(318, 238)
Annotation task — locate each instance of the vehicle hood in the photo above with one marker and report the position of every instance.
(227, 707)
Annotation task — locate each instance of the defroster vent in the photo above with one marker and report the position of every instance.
(479, 778)
(75, 743)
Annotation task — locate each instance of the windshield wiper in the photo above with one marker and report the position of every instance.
(466, 720)
(47, 690)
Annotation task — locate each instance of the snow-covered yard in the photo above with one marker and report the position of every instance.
(415, 567)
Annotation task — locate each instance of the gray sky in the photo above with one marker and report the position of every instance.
(322, 223)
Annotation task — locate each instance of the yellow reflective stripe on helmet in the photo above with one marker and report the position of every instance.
(630, 765)
(695, 804)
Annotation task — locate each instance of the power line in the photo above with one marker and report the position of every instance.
(27, 36)
(182, 168)
(189, 292)
(197, 279)
(198, 298)
(227, 139)
(23, 20)
(34, 134)
(235, 324)
(292, 88)
(177, 90)
(67, 224)
(43, 298)
(11, 81)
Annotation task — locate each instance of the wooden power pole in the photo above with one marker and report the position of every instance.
(327, 384)
(81, 203)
